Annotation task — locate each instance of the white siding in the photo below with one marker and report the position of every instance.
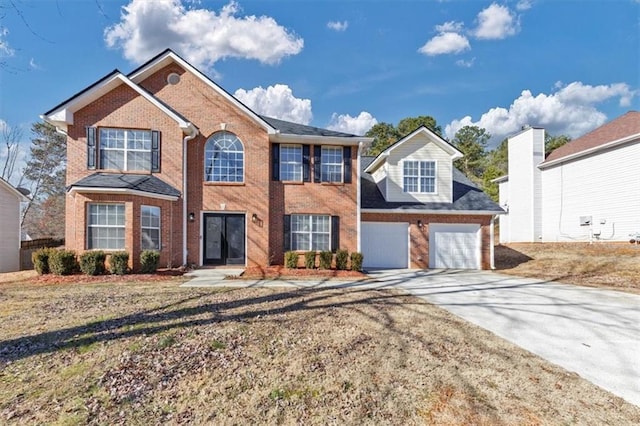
(380, 178)
(526, 151)
(605, 186)
(9, 231)
(419, 148)
(503, 199)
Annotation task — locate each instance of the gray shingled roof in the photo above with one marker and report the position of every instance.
(466, 195)
(143, 183)
(289, 128)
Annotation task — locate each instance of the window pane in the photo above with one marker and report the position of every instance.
(224, 158)
(125, 149)
(105, 227)
(291, 163)
(331, 160)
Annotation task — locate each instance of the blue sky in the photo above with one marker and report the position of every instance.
(568, 66)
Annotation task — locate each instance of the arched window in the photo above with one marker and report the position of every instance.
(224, 158)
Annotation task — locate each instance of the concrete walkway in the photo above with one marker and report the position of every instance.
(593, 332)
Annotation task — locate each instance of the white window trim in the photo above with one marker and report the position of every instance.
(124, 150)
(159, 227)
(323, 163)
(310, 232)
(88, 225)
(211, 139)
(280, 162)
(435, 177)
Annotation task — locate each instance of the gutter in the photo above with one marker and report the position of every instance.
(193, 132)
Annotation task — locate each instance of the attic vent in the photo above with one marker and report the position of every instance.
(173, 79)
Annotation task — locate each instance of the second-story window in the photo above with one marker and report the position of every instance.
(291, 163)
(122, 149)
(224, 158)
(419, 177)
(331, 157)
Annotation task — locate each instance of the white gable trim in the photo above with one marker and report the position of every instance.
(444, 145)
(13, 191)
(166, 58)
(62, 116)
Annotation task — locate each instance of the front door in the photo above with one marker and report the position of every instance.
(223, 239)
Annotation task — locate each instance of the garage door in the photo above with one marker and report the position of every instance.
(455, 246)
(385, 245)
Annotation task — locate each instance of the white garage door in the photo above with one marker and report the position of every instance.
(385, 244)
(455, 246)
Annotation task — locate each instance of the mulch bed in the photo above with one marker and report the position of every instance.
(280, 272)
(160, 275)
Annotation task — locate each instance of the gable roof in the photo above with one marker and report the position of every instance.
(62, 114)
(467, 197)
(623, 129)
(296, 133)
(13, 190)
(129, 183)
(434, 137)
(168, 56)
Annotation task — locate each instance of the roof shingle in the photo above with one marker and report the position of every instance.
(135, 182)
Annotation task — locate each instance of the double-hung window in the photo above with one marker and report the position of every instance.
(105, 226)
(150, 227)
(291, 163)
(331, 163)
(224, 158)
(310, 232)
(123, 149)
(419, 177)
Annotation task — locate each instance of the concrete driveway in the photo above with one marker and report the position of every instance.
(593, 332)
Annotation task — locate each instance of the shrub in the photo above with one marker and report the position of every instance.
(342, 257)
(40, 259)
(310, 260)
(92, 262)
(291, 259)
(119, 262)
(149, 261)
(63, 262)
(356, 261)
(325, 259)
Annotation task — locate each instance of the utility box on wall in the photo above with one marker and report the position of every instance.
(585, 220)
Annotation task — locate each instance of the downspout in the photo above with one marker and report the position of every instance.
(358, 206)
(492, 241)
(193, 132)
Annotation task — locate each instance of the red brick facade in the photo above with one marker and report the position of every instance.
(210, 111)
(419, 237)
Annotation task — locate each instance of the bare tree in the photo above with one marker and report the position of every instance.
(11, 148)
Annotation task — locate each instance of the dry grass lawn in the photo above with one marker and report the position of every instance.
(608, 265)
(154, 353)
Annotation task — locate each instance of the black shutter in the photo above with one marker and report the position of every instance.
(91, 147)
(335, 233)
(287, 233)
(275, 161)
(317, 163)
(155, 151)
(346, 157)
(306, 175)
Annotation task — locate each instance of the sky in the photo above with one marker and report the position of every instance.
(567, 66)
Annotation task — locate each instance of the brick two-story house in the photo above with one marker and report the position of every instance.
(163, 158)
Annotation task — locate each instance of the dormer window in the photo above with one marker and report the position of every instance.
(419, 177)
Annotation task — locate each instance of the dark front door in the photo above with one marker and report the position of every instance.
(223, 239)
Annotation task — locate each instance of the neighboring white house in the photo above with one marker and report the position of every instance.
(10, 199)
(586, 190)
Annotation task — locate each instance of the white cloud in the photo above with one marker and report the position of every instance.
(496, 22)
(278, 102)
(571, 110)
(33, 65)
(5, 49)
(443, 43)
(201, 36)
(450, 27)
(355, 125)
(465, 64)
(337, 25)
(524, 5)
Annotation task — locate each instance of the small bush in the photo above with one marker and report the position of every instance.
(356, 261)
(342, 257)
(149, 261)
(325, 259)
(310, 260)
(119, 262)
(291, 259)
(63, 262)
(40, 259)
(92, 262)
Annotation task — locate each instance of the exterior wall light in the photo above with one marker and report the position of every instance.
(192, 217)
(254, 218)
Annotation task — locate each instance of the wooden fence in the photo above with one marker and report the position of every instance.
(28, 247)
